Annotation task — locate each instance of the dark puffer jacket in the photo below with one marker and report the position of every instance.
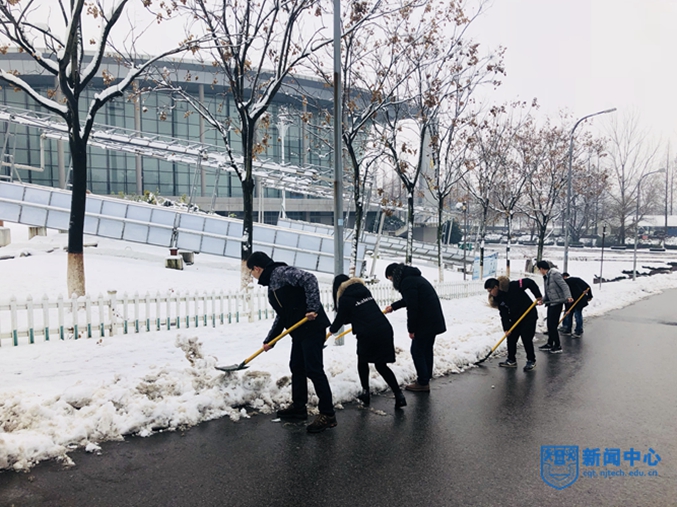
(292, 293)
(374, 333)
(512, 300)
(577, 287)
(424, 311)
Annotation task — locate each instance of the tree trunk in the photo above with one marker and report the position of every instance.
(440, 261)
(76, 266)
(541, 241)
(247, 244)
(507, 246)
(409, 253)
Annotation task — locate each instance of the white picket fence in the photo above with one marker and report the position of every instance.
(26, 321)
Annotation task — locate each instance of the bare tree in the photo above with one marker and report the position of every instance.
(371, 74)
(451, 134)
(548, 181)
(516, 171)
(631, 155)
(59, 43)
(440, 59)
(491, 141)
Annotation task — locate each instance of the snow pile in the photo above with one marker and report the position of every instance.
(60, 395)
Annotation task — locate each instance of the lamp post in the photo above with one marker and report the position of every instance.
(567, 225)
(634, 255)
(283, 122)
(601, 262)
(464, 206)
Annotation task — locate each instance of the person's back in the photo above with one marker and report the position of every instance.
(360, 309)
(425, 319)
(424, 309)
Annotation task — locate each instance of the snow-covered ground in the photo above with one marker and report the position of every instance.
(60, 395)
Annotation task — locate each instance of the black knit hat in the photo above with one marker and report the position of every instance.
(391, 269)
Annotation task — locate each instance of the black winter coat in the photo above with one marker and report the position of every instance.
(374, 333)
(292, 293)
(424, 311)
(513, 301)
(577, 287)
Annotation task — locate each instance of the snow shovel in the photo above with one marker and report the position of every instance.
(243, 364)
(507, 333)
(572, 306)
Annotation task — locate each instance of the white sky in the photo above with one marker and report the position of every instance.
(589, 55)
(60, 395)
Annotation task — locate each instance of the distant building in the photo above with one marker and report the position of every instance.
(113, 172)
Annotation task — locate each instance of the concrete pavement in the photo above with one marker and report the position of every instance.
(475, 440)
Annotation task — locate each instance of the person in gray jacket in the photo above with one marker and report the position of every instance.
(556, 293)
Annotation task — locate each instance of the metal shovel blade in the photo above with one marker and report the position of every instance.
(233, 367)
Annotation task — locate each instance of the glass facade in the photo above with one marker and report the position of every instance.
(115, 172)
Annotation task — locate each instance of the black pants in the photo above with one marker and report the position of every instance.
(422, 354)
(526, 331)
(306, 363)
(383, 369)
(554, 313)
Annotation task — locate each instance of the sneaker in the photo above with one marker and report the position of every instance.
(564, 331)
(293, 413)
(556, 350)
(364, 397)
(508, 364)
(321, 423)
(578, 335)
(545, 347)
(418, 388)
(530, 365)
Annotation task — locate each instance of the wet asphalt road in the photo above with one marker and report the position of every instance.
(475, 440)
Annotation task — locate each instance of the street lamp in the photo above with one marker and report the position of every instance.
(571, 156)
(282, 124)
(601, 262)
(634, 255)
(464, 206)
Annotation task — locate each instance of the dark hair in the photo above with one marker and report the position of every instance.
(391, 269)
(338, 280)
(543, 265)
(490, 283)
(258, 259)
(565, 275)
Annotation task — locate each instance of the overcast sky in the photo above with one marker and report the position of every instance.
(589, 55)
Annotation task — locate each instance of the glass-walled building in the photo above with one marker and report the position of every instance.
(114, 172)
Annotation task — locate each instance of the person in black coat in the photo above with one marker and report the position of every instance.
(295, 294)
(512, 302)
(355, 305)
(577, 286)
(425, 319)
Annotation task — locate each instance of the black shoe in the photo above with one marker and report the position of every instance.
(321, 423)
(400, 400)
(564, 331)
(530, 365)
(578, 335)
(508, 364)
(364, 397)
(293, 413)
(545, 347)
(556, 350)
